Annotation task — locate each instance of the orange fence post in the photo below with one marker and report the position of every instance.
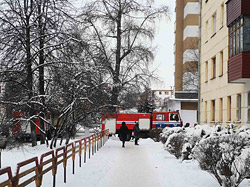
(78, 149)
(70, 148)
(60, 158)
(98, 141)
(44, 163)
(89, 145)
(9, 181)
(85, 149)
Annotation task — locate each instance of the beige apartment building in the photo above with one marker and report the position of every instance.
(224, 62)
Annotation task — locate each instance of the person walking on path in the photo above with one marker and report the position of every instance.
(123, 132)
(136, 133)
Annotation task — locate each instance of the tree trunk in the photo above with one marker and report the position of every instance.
(29, 69)
(116, 86)
(41, 68)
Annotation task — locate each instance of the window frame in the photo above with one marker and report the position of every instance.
(239, 106)
(222, 16)
(214, 17)
(205, 112)
(229, 108)
(221, 63)
(206, 71)
(213, 68)
(212, 117)
(235, 37)
(162, 117)
(221, 109)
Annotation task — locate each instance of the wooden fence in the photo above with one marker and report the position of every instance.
(51, 160)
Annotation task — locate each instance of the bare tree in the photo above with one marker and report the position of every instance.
(120, 32)
(31, 32)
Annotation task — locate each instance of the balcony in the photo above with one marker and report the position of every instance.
(236, 8)
(238, 22)
(239, 68)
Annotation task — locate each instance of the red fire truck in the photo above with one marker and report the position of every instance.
(146, 121)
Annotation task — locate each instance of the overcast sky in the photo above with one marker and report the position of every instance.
(164, 40)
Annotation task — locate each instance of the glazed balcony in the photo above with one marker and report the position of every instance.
(238, 22)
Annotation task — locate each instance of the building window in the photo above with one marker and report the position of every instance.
(222, 14)
(214, 24)
(221, 109)
(238, 107)
(206, 71)
(221, 63)
(213, 68)
(229, 108)
(160, 93)
(236, 37)
(213, 110)
(248, 108)
(205, 112)
(206, 32)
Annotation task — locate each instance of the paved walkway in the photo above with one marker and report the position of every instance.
(133, 166)
(146, 165)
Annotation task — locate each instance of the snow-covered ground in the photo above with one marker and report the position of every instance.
(147, 165)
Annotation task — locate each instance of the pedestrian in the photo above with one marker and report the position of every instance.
(123, 132)
(136, 131)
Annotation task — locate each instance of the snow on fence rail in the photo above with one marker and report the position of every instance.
(34, 171)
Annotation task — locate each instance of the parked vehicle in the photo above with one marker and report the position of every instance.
(22, 127)
(146, 121)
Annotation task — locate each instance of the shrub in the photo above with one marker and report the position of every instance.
(175, 143)
(166, 132)
(226, 157)
(155, 134)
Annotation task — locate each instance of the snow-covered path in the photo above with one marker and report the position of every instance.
(133, 167)
(147, 165)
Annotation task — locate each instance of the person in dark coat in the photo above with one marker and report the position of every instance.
(123, 132)
(136, 131)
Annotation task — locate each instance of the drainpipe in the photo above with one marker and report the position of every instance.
(199, 58)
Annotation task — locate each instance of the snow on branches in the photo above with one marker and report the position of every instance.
(224, 153)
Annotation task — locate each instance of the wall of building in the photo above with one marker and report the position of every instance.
(186, 46)
(215, 90)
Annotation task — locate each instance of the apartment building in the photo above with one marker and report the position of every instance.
(225, 62)
(161, 97)
(186, 44)
(186, 60)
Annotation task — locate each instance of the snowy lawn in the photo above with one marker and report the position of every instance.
(147, 165)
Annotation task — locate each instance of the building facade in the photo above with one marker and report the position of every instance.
(161, 97)
(186, 60)
(186, 44)
(224, 62)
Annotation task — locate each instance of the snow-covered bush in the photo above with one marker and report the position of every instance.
(186, 139)
(166, 132)
(175, 143)
(225, 156)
